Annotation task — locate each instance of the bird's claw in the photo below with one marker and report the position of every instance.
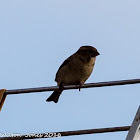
(61, 87)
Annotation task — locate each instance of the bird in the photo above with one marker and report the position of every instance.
(75, 70)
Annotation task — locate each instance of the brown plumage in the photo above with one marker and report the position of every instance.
(75, 70)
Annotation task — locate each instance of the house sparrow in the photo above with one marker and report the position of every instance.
(75, 70)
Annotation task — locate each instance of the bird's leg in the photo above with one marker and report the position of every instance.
(79, 84)
(61, 86)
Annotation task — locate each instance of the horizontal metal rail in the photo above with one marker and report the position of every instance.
(88, 85)
(67, 133)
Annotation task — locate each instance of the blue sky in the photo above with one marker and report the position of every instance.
(36, 36)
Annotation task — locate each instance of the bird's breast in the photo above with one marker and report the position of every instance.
(88, 67)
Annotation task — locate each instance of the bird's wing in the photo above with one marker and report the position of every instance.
(63, 64)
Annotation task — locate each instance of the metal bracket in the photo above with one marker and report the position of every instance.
(134, 132)
(2, 97)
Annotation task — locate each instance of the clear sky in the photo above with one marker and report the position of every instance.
(36, 36)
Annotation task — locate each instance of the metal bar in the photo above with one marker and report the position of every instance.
(67, 133)
(134, 132)
(88, 85)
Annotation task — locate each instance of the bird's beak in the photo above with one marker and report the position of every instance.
(97, 54)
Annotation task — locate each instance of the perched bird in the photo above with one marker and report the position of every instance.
(75, 70)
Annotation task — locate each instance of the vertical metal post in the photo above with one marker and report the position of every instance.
(134, 132)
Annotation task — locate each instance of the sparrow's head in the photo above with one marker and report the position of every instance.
(88, 50)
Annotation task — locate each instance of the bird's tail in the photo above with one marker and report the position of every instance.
(54, 96)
